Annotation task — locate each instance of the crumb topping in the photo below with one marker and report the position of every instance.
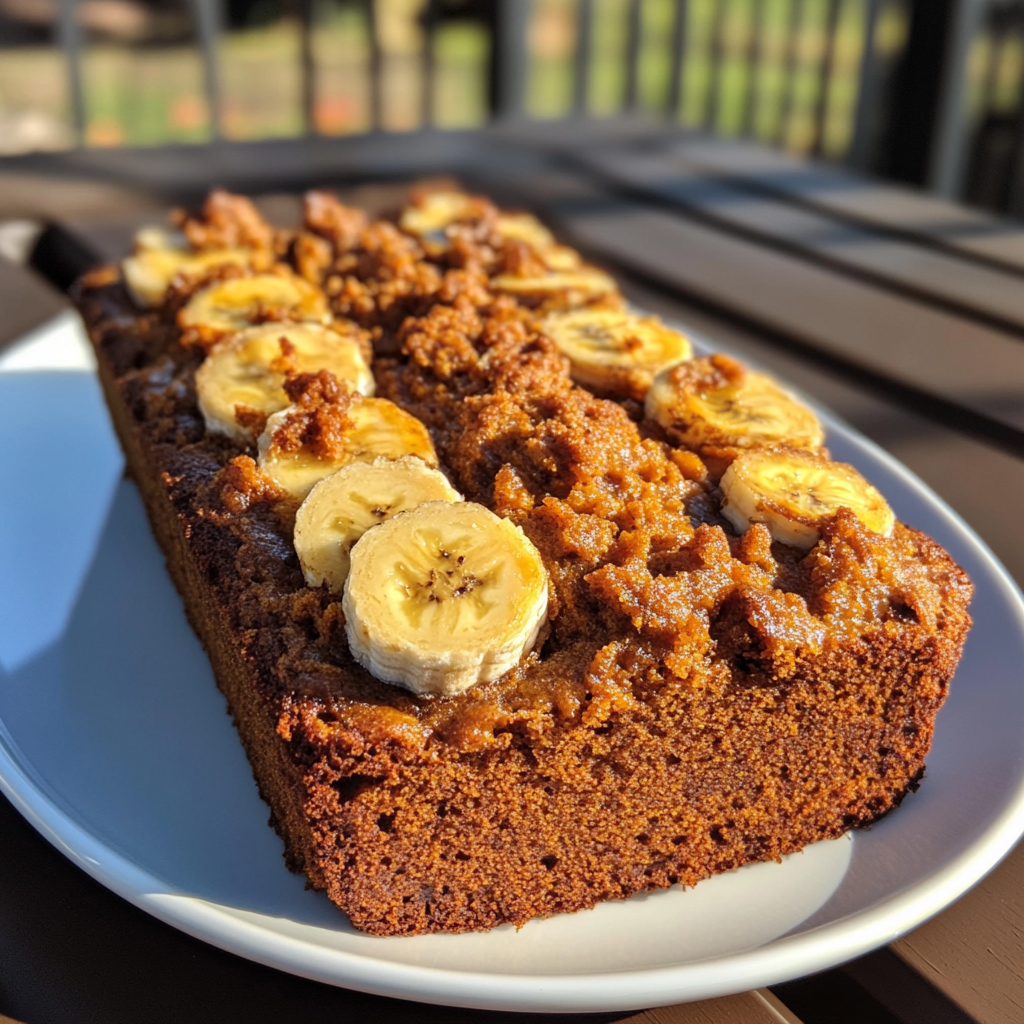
(699, 699)
(242, 484)
(225, 221)
(318, 420)
(707, 373)
(650, 587)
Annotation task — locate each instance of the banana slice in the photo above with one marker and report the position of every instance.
(150, 238)
(573, 287)
(240, 302)
(561, 257)
(161, 255)
(614, 350)
(434, 211)
(432, 214)
(343, 506)
(444, 597)
(524, 227)
(380, 429)
(698, 405)
(248, 369)
(795, 492)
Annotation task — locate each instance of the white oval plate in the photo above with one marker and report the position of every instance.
(115, 745)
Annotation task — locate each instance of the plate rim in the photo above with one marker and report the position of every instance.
(778, 960)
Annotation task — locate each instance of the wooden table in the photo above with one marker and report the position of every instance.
(904, 314)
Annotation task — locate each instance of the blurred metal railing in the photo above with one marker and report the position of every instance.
(984, 162)
(509, 25)
(206, 17)
(69, 36)
(822, 77)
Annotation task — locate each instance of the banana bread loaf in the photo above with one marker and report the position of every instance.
(709, 673)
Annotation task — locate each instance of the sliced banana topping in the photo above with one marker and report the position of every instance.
(561, 257)
(151, 238)
(360, 496)
(430, 216)
(444, 597)
(524, 227)
(795, 492)
(245, 372)
(698, 405)
(573, 287)
(613, 350)
(160, 256)
(379, 429)
(432, 212)
(240, 302)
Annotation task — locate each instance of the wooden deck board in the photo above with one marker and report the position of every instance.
(759, 1007)
(974, 950)
(884, 206)
(940, 277)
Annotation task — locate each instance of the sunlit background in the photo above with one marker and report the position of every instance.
(773, 70)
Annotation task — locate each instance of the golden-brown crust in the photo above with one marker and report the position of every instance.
(225, 221)
(701, 700)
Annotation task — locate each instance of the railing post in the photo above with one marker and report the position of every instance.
(69, 36)
(712, 98)
(376, 66)
(634, 42)
(677, 81)
(865, 117)
(207, 16)
(305, 15)
(584, 40)
(755, 47)
(948, 156)
(428, 26)
(794, 30)
(825, 78)
(1014, 204)
(508, 58)
(925, 130)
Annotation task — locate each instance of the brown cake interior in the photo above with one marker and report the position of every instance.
(699, 701)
